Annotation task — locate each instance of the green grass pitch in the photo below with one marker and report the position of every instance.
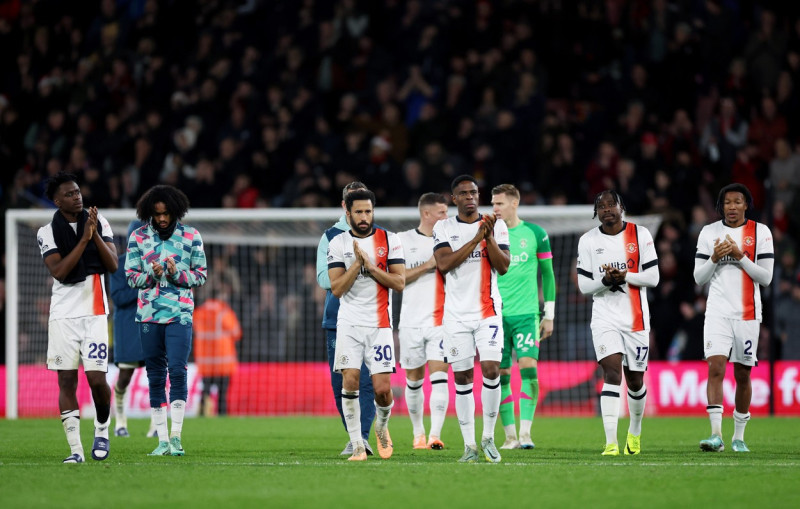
(295, 462)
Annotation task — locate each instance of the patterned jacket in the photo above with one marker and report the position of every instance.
(168, 300)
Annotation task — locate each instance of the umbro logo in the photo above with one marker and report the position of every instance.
(599, 250)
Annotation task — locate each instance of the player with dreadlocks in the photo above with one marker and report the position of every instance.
(617, 262)
(165, 261)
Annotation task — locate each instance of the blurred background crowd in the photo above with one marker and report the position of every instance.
(279, 103)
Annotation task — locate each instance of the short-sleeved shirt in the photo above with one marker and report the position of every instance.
(519, 287)
(367, 303)
(423, 299)
(732, 293)
(86, 298)
(625, 307)
(471, 291)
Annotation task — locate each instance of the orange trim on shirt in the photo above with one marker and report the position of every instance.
(438, 299)
(487, 303)
(748, 287)
(631, 240)
(381, 242)
(98, 306)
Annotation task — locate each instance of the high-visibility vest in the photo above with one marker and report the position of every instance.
(216, 331)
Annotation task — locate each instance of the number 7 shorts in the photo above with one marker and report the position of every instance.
(71, 340)
(735, 339)
(463, 338)
(372, 345)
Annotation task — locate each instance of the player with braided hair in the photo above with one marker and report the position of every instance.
(617, 262)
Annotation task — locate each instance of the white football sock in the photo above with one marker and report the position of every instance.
(121, 420)
(71, 421)
(739, 423)
(352, 415)
(415, 399)
(715, 416)
(525, 427)
(465, 410)
(440, 399)
(159, 416)
(101, 428)
(177, 410)
(490, 399)
(609, 409)
(636, 403)
(382, 415)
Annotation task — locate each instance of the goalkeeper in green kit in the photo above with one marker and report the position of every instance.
(530, 251)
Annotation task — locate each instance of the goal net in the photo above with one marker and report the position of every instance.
(267, 259)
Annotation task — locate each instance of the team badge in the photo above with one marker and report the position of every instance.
(602, 349)
(145, 328)
(454, 352)
(523, 243)
(748, 241)
(59, 360)
(343, 359)
(708, 345)
(631, 247)
(381, 251)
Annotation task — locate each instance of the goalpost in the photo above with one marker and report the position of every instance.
(267, 258)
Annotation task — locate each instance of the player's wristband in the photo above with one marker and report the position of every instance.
(549, 310)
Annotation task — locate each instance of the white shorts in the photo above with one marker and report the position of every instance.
(634, 346)
(372, 345)
(735, 339)
(461, 339)
(419, 345)
(71, 340)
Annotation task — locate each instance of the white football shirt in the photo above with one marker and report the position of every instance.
(618, 307)
(87, 298)
(367, 303)
(423, 299)
(732, 293)
(471, 288)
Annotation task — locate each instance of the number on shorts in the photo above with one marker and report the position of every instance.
(98, 351)
(748, 347)
(496, 328)
(523, 340)
(384, 352)
(641, 352)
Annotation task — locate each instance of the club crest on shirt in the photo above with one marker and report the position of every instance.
(748, 241)
(631, 247)
(523, 243)
(381, 251)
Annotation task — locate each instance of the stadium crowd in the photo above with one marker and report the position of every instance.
(278, 103)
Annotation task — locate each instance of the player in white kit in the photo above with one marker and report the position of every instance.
(421, 331)
(735, 255)
(471, 249)
(364, 263)
(617, 262)
(78, 249)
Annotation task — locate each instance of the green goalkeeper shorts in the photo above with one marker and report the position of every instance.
(521, 334)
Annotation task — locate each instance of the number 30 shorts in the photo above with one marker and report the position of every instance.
(372, 345)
